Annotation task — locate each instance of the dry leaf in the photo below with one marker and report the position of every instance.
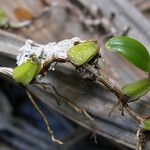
(23, 14)
(44, 3)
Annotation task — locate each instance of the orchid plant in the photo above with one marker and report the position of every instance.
(138, 55)
(34, 60)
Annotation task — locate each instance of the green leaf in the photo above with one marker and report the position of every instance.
(147, 125)
(132, 50)
(137, 89)
(26, 72)
(3, 18)
(83, 52)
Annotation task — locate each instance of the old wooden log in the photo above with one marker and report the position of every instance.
(95, 99)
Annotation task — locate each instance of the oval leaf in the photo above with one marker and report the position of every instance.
(137, 89)
(146, 125)
(132, 50)
(26, 72)
(83, 52)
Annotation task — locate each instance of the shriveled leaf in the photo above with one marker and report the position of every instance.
(132, 50)
(83, 52)
(137, 89)
(146, 125)
(23, 14)
(26, 72)
(3, 18)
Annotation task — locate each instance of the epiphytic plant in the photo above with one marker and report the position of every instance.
(34, 60)
(138, 55)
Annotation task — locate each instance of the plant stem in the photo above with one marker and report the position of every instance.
(121, 97)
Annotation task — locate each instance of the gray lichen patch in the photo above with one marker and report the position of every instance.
(47, 52)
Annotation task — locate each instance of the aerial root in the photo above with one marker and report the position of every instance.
(140, 139)
(68, 101)
(44, 118)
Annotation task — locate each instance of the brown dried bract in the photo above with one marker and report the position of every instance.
(23, 14)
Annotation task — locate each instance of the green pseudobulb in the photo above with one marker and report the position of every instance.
(147, 125)
(137, 89)
(83, 52)
(26, 72)
(132, 50)
(3, 18)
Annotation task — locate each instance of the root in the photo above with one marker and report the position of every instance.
(44, 118)
(140, 139)
(56, 94)
(111, 111)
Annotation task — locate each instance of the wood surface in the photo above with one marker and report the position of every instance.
(97, 100)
